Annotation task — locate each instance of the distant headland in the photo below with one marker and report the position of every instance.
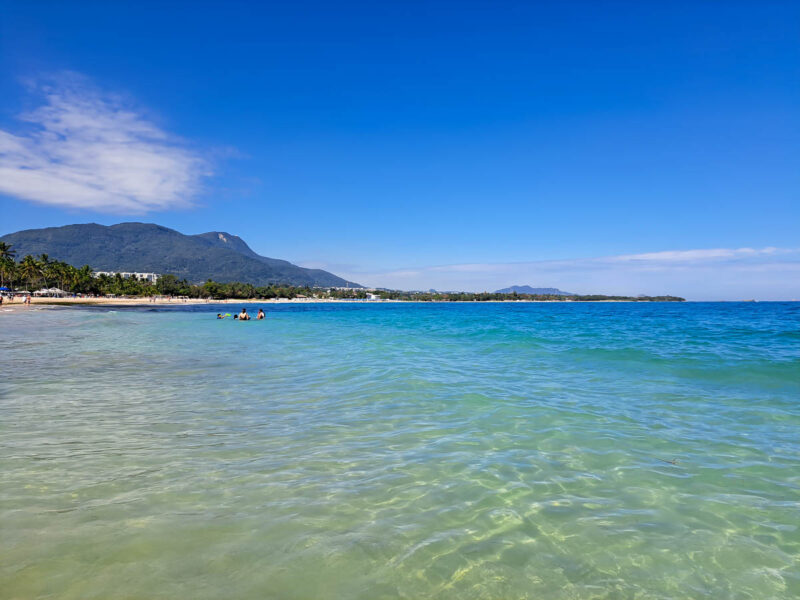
(532, 291)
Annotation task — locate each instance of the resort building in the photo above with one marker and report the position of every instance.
(151, 277)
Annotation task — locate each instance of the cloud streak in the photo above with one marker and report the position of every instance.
(84, 149)
(702, 255)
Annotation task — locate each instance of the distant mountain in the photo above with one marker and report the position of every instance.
(526, 289)
(150, 248)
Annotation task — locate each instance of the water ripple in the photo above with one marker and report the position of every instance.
(402, 451)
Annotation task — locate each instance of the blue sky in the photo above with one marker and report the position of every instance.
(609, 147)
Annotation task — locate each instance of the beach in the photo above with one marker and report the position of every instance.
(162, 302)
(44, 302)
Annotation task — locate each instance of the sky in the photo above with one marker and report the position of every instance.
(597, 147)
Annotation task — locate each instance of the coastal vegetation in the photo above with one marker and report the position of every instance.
(34, 272)
(494, 296)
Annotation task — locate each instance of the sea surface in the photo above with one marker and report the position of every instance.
(380, 451)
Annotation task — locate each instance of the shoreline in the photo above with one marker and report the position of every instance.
(49, 303)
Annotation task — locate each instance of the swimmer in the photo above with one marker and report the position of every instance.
(220, 316)
(243, 316)
(260, 315)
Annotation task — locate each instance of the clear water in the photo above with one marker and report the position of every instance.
(497, 451)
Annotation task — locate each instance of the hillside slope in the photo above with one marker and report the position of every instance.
(148, 247)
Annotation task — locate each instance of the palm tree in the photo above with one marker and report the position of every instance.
(7, 270)
(54, 271)
(6, 251)
(104, 283)
(6, 262)
(82, 280)
(44, 267)
(68, 276)
(30, 269)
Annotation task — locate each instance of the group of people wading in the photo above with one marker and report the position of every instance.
(243, 316)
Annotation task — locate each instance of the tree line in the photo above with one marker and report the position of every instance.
(494, 296)
(33, 272)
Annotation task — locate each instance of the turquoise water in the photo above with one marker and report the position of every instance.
(497, 451)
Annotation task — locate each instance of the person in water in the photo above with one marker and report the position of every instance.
(243, 316)
(220, 316)
(260, 314)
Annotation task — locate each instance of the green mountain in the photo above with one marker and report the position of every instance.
(150, 248)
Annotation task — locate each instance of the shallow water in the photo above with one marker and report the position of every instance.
(497, 451)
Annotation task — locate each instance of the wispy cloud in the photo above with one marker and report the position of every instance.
(720, 273)
(702, 255)
(86, 149)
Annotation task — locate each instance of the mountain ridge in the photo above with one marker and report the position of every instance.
(149, 247)
(526, 289)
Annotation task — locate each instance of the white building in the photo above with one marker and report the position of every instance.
(151, 277)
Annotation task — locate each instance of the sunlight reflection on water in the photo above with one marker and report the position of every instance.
(384, 451)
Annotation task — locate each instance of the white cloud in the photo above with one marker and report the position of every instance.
(88, 150)
(699, 255)
(705, 274)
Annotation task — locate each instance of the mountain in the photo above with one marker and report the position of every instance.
(150, 248)
(526, 289)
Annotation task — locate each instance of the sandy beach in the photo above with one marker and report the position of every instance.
(44, 303)
(36, 302)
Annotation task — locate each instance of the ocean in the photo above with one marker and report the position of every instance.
(378, 451)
